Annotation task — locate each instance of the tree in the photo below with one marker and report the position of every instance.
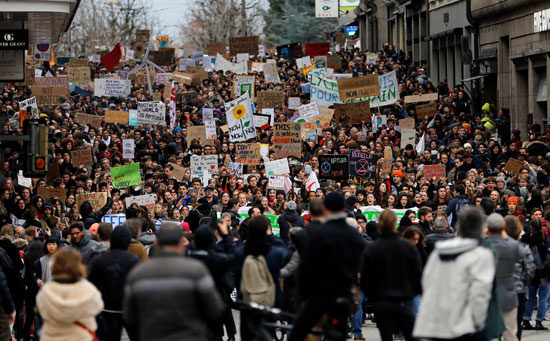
(100, 25)
(217, 20)
(289, 21)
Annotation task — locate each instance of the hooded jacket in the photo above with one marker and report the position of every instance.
(85, 245)
(63, 304)
(292, 217)
(457, 283)
(108, 270)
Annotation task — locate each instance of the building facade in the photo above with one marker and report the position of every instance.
(514, 57)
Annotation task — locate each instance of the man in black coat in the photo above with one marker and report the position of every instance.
(108, 273)
(391, 278)
(328, 269)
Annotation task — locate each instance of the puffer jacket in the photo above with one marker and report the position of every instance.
(457, 284)
(63, 304)
(524, 270)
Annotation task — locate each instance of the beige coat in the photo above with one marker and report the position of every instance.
(61, 305)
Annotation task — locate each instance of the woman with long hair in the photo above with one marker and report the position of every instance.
(441, 198)
(381, 194)
(68, 304)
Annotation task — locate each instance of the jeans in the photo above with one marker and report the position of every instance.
(543, 290)
(358, 317)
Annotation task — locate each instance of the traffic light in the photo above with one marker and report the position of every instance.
(36, 150)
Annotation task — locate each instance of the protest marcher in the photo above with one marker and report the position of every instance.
(446, 270)
(165, 284)
(69, 303)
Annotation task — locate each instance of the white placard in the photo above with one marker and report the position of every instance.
(270, 112)
(207, 63)
(294, 102)
(235, 168)
(202, 164)
(261, 120)
(224, 65)
(25, 182)
(240, 119)
(141, 200)
(276, 182)
(207, 114)
(128, 147)
(210, 128)
(185, 62)
(31, 102)
(129, 54)
(112, 87)
(153, 113)
(242, 57)
(161, 78)
(303, 62)
(277, 167)
(308, 110)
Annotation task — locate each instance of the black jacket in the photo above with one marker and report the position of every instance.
(286, 219)
(391, 269)
(332, 260)
(436, 236)
(95, 216)
(194, 217)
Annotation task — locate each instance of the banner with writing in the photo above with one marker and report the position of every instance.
(437, 171)
(153, 113)
(125, 176)
(224, 65)
(389, 91)
(49, 192)
(46, 95)
(128, 147)
(112, 87)
(86, 119)
(323, 91)
(201, 164)
(147, 200)
(358, 87)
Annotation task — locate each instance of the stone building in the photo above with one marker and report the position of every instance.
(514, 57)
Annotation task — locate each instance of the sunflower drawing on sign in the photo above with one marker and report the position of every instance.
(240, 119)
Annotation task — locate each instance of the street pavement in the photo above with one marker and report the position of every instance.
(371, 333)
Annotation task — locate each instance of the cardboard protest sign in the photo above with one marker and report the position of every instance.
(82, 157)
(151, 113)
(178, 172)
(324, 91)
(256, 67)
(286, 150)
(86, 119)
(128, 147)
(243, 85)
(333, 167)
(309, 110)
(425, 110)
(97, 199)
(235, 168)
(244, 45)
(340, 37)
(213, 49)
(362, 164)
(112, 87)
(77, 62)
(270, 99)
(116, 116)
(421, 98)
(48, 193)
(162, 57)
(126, 176)
(240, 119)
(513, 165)
(356, 111)
(196, 133)
(389, 91)
(48, 95)
(270, 73)
(59, 81)
(80, 75)
(334, 62)
(408, 136)
(248, 153)
(286, 132)
(276, 182)
(437, 171)
(317, 49)
(358, 87)
(277, 167)
(30, 106)
(147, 200)
(53, 172)
(406, 123)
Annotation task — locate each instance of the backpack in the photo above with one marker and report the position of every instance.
(257, 284)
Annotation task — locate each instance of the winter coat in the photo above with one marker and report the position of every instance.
(286, 219)
(85, 245)
(138, 249)
(524, 270)
(457, 283)
(171, 297)
(95, 216)
(62, 304)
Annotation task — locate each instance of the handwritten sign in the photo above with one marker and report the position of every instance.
(270, 99)
(309, 110)
(358, 87)
(248, 153)
(244, 45)
(60, 81)
(98, 200)
(48, 193)
(128, 147)
(513, 165)
(235, 168)
(333, 167)
(82, 157)
(437, 171)
(49, 95)
(243, 85)
(112, 87)
(86, 119)
(213, 49)
(356, 111)
(277, 167)
(286, 150)
(421, 98)
(126, 176)
(116, 116)
(147, 200)
(151, 113)
(286, 132)
(426, 110)
(406, 123)
(276, 182)
(408, 136)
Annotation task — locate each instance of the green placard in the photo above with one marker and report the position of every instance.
(125, 176)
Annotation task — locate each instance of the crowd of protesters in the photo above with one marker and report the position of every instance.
(319, 252)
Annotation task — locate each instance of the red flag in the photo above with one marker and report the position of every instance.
(111, 59)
